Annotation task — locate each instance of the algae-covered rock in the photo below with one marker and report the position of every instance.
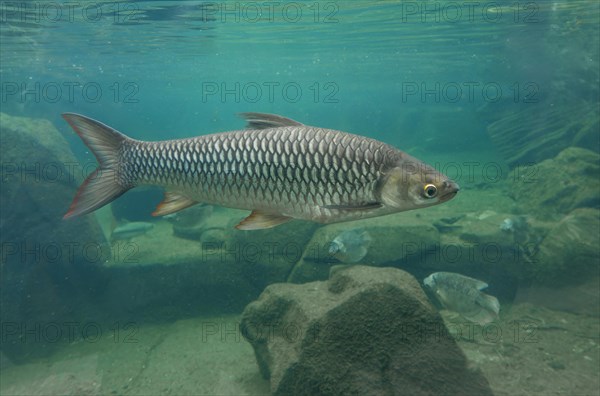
(43, 256)
(537, 133)
(216, 268)
(40, 176)
(365, 331)
(559, 185)
(488, 244)
(269, 254)
(391, 242)
(570, 252)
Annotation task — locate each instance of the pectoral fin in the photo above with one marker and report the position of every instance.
(173, 202)
(259, 220)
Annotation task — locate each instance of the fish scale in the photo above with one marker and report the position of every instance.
(278, 168)
(219, 162)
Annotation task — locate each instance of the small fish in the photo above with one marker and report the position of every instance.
(507, 225)
(514, 224)
(277, 167)
(130, 230)
(463, 295)
(350, 246)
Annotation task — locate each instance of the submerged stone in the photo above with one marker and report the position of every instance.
(570, 252)
(556, 186)
(50, 267)
(364, 331)
(389, 244)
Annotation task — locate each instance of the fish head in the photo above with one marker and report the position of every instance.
(336, 246)
(412, 184)
(429, 282)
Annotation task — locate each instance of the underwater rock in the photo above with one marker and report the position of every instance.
(137, 204)
(559, 185)
(192, 222)
(40, 176)
(350, 246)
(43, 256)
(161, 275)
(222, 271)
(269, 255)
(364, 331)
(538, 133)
(130, 230)
(581, 298)
(391, 241)
(481, 245)
(484, 228)
(570, 252)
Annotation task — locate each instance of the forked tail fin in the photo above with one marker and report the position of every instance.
(103, 185)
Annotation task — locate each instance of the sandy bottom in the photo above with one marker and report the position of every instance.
(189, 357)
(530, 351)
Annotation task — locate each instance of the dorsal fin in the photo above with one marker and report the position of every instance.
(266, 121)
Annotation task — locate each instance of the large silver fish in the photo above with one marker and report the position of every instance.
(277, 167)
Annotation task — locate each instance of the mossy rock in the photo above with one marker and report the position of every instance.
(555, 187)
(570, 253)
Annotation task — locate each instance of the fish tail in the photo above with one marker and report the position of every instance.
(105, 184)
(490, 302)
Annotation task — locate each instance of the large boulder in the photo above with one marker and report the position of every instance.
(570, 252)
(394, 239)
(181, 268)
(488, 244)
(49, 266)
(40, 176)
(555, 187)
(368, 331)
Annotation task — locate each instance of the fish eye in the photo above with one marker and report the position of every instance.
(430, 191)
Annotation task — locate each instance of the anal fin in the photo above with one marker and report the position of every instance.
(259, 220)
(173, 202)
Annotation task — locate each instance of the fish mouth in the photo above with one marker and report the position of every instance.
(448, 195)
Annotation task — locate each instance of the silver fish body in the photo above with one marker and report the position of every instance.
(278, 168)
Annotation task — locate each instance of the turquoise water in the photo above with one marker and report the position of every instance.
(358, 61)
(489, 93)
